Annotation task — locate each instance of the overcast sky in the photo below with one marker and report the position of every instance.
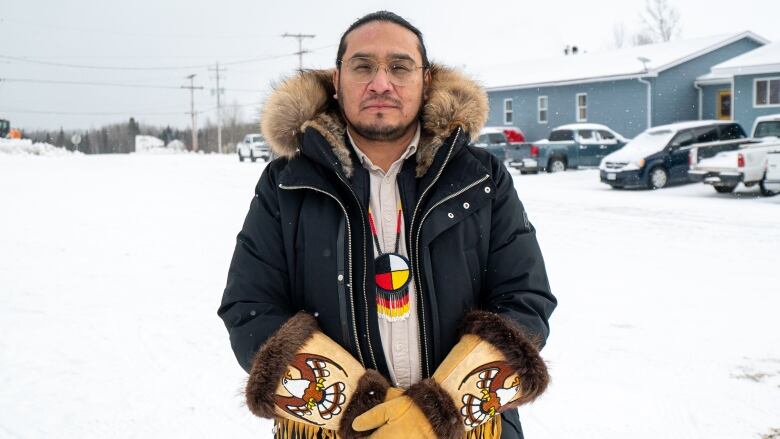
(158, 43)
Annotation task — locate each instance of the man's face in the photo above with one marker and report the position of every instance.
(380, 110)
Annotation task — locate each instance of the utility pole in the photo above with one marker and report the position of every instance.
(192, 109)
(300, 51)
(219, 107)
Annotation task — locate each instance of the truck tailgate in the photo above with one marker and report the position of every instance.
(518, 151)
(773, 167)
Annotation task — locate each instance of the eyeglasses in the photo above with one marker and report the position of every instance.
(362, 70)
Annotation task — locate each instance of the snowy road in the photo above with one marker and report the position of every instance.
(112, 268)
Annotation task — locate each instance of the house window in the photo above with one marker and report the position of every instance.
(541, 109)
(508, 111)
(582, 107)
(767, 92)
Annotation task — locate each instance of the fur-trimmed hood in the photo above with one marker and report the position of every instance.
(306, 101)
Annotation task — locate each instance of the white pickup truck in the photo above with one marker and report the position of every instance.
(747, 164)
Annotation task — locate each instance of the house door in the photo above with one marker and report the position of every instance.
(724, 105)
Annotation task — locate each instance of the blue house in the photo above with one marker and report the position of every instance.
(626, 89)
(742, 88)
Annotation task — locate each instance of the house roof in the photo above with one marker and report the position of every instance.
(607, 65)
(713, 79)
(765, 59)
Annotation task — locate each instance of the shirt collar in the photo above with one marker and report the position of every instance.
(410, 150)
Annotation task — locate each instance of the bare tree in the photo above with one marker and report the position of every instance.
(618, 35)
(661, 20)
(642, 38)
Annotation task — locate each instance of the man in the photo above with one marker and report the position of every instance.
(387, 280)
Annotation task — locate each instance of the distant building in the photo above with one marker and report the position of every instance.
(626, 89)
(742, 88)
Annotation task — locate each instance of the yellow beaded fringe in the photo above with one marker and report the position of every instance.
(289, 429)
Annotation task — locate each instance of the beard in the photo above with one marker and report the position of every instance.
(375, 131)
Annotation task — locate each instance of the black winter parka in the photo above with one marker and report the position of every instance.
(306, 243)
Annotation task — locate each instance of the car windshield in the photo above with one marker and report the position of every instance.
(649, 142)
(561, 135)
(257, 139)
(768, 128)
(496, 138)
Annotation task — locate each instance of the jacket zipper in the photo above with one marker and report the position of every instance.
(419, 229)
(416, 264)
(349, 258)
(365, 262)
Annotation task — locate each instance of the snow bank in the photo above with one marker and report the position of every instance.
(145, 143)
(153, 145)
(26, 146)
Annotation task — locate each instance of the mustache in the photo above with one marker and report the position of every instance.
(376, 100)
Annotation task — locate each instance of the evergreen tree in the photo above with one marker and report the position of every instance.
(61, 139)
(104, 147)
(85, 145)
(132, 130)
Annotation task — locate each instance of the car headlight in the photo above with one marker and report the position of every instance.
(634, 165)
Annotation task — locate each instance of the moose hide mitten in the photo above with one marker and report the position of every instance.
(309, 384)
(494, 367)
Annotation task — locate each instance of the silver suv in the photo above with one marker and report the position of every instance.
(253, 147)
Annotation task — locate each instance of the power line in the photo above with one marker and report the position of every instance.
(24, 23)
(114, 84)
(103, 84)
(125, 57)
(119, 113)
(91, 113)
(136, 68)
(92, 67)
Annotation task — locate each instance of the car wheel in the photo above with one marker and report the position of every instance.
(240, 157)
(556, 165)
(725, 189)
(764, 190)
(659, 178)
(252, 156)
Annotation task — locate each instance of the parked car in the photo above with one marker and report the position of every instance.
(746, 164)
(567, 146)
(253, 147)
(771, 182)
(513, 134)
(660, 155)
(494, 140)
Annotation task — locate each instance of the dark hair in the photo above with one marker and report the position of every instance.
(385, 16)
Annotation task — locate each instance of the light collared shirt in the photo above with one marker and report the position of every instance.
(400, 339)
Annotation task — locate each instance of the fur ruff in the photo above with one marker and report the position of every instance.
(438, 407)
(519, 350)
(270, 362)
(371, 391)
(306, 101)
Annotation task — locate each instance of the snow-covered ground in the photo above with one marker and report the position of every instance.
(112, 268)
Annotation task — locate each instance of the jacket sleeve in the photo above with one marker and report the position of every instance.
(517, 287)
(256, 300)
